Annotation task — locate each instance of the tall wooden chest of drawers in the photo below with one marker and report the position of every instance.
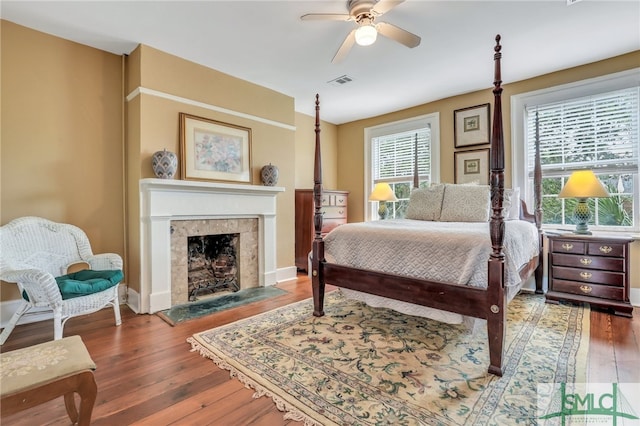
(590, 269)
(334, 209)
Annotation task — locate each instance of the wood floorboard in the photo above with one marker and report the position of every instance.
(147, 375)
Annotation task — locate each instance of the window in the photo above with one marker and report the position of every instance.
(391, 153)
(593, 125)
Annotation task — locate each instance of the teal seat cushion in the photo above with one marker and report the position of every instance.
(87, 281)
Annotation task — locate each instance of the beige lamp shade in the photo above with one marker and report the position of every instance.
(583, 184)
(382, 192)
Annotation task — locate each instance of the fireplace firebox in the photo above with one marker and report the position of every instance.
(213, 265)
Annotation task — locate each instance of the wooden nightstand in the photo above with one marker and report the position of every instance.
(590, 268)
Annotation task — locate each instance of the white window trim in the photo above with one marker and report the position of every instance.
(405, 125)
(607, 83)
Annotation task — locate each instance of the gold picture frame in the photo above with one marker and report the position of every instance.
(472, 166)
(211, 150)
(471, 126)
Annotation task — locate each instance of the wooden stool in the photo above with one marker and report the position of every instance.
(40, 373)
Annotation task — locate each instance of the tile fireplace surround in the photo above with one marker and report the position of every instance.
(163, 201)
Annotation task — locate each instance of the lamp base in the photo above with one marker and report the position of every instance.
(582, 215)
(382, 210)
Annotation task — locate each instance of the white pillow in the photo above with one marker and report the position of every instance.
(514, 211)
(466, 203)
(425, 203)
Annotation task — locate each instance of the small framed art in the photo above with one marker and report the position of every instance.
(471, 126)
(213, 150)
(472, 166)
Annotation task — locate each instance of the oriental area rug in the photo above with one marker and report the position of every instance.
(360, 365)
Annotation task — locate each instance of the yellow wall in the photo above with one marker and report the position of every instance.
(351, 135)
(61, 136)
(305, 152)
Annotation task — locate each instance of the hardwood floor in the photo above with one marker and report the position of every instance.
(147, 375)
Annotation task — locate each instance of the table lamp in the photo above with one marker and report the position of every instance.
(382, 193)
(583, 184)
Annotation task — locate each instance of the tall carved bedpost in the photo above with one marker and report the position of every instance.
(537, 204)
(317, 247)
(497, 297)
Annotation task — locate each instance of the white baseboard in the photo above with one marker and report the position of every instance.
(286, 274)
(634, 296)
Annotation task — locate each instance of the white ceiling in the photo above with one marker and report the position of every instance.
(266, 43)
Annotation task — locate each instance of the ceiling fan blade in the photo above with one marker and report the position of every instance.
(326, 17)
(398, 34)
(347, 44)
(383, 6)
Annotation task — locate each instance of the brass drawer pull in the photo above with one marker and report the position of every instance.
(585, 288)
(568, 246)
(340, 212)
(586, 275)
(586, 261)
(605, 249)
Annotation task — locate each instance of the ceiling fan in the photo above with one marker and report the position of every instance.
(364, 13)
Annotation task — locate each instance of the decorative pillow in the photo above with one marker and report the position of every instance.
(425, 203)
(465, 203)
(513, 212)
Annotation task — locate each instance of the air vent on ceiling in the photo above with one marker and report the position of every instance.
(343, 79)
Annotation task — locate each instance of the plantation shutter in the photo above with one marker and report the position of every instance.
(595, 132)
(394, 156)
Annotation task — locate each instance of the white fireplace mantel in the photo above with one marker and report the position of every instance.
(163, 200)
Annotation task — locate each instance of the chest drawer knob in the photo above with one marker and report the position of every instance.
(569, 246)
(585, 288)
(605, 249)
(585, 261)
(586, 275)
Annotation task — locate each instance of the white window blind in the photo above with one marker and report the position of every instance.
(394, 156)
(600, 132)
(595, 132)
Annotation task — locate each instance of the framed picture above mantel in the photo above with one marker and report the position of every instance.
(211, 150)
(471, 126)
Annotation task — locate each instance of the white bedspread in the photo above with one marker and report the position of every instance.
(448, 252)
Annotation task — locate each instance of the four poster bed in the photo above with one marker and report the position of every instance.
(480, 291)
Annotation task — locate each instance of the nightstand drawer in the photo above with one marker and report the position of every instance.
(585, 289)
(607, 249)
(573, 247)
(334, 212)
(588, 276)
(590, 262)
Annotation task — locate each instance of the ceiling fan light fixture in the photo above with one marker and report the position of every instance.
(366, 35)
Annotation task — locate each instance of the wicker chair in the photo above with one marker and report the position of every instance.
(34, 251)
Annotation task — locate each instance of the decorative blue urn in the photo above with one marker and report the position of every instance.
(269, 175)
(165, 164)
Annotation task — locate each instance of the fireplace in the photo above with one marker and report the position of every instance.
(177, 209)
(205, 253)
